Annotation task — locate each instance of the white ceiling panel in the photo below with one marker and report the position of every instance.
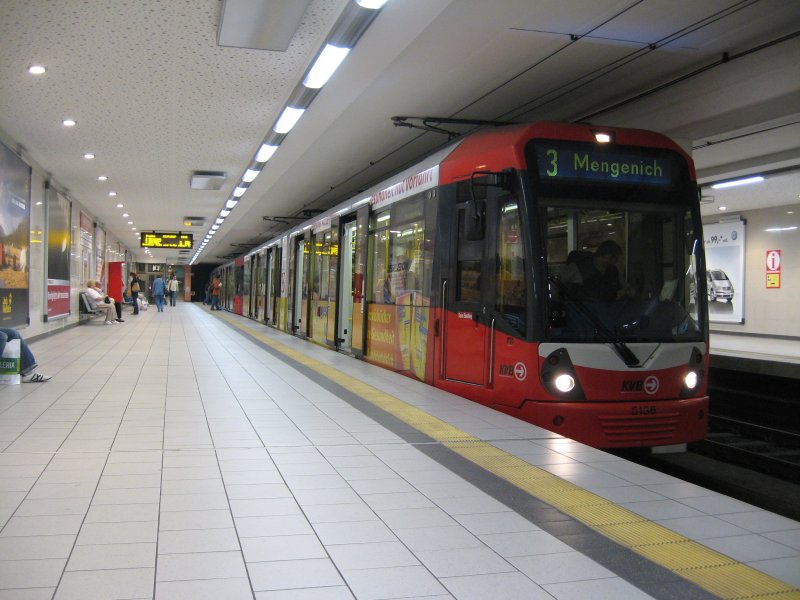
(156, 97)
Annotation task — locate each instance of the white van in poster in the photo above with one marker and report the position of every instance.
(724, 244)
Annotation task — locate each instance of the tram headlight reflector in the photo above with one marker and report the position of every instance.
(564, 383)
(691, 380)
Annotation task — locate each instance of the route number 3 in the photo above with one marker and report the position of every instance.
(553, 156)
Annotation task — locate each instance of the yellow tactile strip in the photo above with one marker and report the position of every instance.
(714, 572)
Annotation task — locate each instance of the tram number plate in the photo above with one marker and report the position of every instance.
(643, 410)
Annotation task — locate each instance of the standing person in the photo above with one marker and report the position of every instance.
(172, 288)
(133, 289)
(158, 289)
(27, 363)
(216, 286)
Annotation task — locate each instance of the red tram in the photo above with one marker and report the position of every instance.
(551, 271)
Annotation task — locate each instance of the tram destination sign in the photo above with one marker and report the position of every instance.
(165, 239)
(575, 161)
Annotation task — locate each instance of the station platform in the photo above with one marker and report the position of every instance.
(196, 454)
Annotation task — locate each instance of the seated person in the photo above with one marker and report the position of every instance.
(595, 277)
(98, 301)
(27, 363)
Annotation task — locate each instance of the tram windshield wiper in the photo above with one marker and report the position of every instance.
(621, 347)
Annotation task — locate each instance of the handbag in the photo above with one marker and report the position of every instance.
(10, 363)
(135, 286)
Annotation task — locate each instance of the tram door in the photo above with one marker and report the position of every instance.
(300, 296)
(347, 261)
(463, 351)
(273, 283)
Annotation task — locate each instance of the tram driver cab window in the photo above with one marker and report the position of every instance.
(510, 258)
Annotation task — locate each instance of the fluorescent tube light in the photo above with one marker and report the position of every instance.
(239, 191)
(288, 119)
(224, 213)
(735, 182)
(214, 227)
(220, 221)
(326, 64)
(231, 204)
(374, 4)
(250, 175)
(781, 228)
(265, 152)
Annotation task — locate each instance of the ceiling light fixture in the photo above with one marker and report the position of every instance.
(88, 156)
(231, 204)
(112, 194)
(326, 64)
(69, 122)
(250, 175)
(288, 119)
(371, 4)
(37, 70)
(239, 192)
(735, 182)
(220, 221)
(265, 152)
(224, 213)
(102, 178)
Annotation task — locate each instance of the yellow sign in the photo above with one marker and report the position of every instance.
(773, 280)
(160, 239)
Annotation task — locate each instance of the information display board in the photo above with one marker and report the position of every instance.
(164, 239)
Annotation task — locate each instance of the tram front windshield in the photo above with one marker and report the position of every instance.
(625, 272)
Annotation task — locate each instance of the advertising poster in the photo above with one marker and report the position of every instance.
(725, 271)
(100, 256)
(58, 247)
(15, 199)
(86, 247)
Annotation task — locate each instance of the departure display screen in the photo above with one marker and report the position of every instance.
(566, 161)
(163, 239)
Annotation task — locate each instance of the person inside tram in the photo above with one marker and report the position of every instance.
(594, 277)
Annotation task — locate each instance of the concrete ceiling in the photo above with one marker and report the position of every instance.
(156, 98)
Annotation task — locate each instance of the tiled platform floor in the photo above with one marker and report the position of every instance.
(171, 457)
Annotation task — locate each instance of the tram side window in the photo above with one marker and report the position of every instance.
(399, 255)
(468, 266)
(322, 259)
(510, 258)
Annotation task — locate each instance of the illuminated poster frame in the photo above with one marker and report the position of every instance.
(15, 218)
(725, 246)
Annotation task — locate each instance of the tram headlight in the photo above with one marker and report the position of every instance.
(559, 378)
(564, 383)
(691, 380)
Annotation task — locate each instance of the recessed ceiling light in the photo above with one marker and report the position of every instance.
(88, 156)
(102, 178)
(723, 208)
(112, 194)
(119, 205)
(134, 228)
(130, 222)
(125, 214)
(36, 69)
(69, 122)
(39, 203)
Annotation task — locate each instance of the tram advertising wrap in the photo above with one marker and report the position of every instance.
(554, 272)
